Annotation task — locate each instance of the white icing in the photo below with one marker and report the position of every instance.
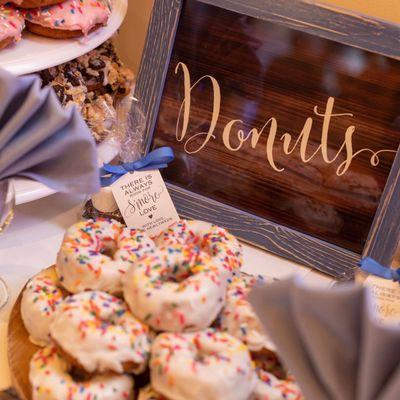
(83, 262)
(239, 319)
(101, 334)
(12, 23)
(50, 380)
(175, 289)
(40, 301)
(204, 365)
(269, 387)
(223, 247)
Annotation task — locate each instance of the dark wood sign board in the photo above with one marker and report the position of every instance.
(285, 121)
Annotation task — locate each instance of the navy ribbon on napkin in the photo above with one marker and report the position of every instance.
(156, 159)
(373, 267)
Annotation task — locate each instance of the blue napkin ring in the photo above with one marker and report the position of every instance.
(373, 267)
(156, 159)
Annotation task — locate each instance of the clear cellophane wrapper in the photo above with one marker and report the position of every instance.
(125, 132)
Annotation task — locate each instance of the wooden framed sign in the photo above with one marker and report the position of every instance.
(285, 120)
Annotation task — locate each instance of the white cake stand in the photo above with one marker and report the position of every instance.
(35, 53)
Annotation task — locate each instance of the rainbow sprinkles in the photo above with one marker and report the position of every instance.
(72, 15)
(12, 24)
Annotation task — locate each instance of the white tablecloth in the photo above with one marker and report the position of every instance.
(32, 242)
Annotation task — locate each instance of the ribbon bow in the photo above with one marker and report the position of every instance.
(156, 159)
(373, 267)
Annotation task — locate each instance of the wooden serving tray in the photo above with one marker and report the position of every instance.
(20, 351)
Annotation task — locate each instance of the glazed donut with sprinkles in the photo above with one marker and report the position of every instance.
(34, 3)
(127, 316)
(40, 301)
(71, 18)
(238, 317)
(96, 254)
(202, 365)
(97, 331)
(175, 289)
(12, 24)
(51, 379)
(223, 247)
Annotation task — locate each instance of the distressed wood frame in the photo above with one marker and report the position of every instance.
(319, 19)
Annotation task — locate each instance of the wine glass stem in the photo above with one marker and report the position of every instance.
(7, 205)
(4, 295)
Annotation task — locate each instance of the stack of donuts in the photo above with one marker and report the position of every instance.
(126, 316)
(59, 19)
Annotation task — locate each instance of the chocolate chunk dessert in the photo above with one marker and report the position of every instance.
(94, 83)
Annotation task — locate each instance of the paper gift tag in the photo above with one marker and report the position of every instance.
(144, 201)
(385, 298)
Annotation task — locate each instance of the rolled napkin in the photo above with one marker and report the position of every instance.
(331, 340)
(41, 140)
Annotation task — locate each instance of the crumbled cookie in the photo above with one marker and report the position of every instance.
(101, 68)
(93, 82)
(99, 113)
(70, 89)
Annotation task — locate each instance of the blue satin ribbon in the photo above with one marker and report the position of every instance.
(373, 267)
(156, 159)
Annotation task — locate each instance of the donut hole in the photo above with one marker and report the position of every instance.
(203, 353)
(268, 360)
(182, 262)
(200, 358)
(101, 321)
(109, 248)
(203, 356)
(79, 375)
(177, 273)
(105, 322)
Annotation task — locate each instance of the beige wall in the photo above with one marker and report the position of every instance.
(132, 35)
(384, 9)
(133, 32)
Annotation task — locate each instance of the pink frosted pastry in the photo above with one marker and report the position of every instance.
(32, 3)
(11, 25)
(72, 18)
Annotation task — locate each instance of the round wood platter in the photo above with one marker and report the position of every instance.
(20, 351)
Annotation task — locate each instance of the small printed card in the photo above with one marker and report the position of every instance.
(144, 201)
(386, 298)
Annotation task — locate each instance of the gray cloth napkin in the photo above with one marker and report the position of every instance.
(41, 140)
(331, 341)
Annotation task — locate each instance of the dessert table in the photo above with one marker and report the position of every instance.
(32, 242)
